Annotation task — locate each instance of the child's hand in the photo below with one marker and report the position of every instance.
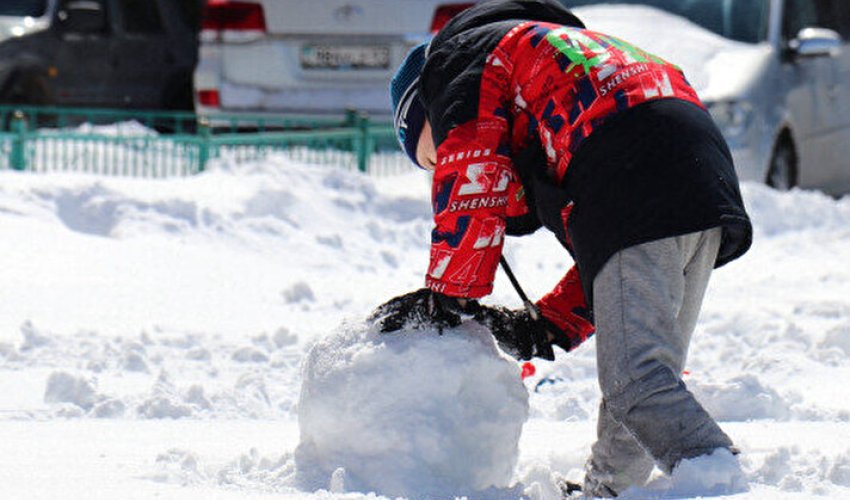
(423, 308)
(519, 335)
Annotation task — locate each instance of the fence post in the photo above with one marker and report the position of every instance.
(18, 157)
(363, 149)
(205, 133)
(351, 117)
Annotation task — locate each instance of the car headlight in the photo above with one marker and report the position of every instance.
(731, 116)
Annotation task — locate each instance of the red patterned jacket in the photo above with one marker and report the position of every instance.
(513, 90)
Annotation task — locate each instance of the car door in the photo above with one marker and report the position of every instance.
(840, 176)
(832, 173)
(139, 53)
(78, 53)
(813, 96)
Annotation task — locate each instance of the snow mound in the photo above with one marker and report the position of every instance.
(413, 414)
(741, 398)
(775, 213)
(66, 388)
(717, 474)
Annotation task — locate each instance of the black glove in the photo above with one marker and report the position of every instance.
(518, 334)
(421, 308)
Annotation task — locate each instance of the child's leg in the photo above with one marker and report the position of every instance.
(617, 460)
(646, 301)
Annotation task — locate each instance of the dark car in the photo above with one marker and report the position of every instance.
(103, 53)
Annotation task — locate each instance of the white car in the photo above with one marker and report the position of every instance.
(312, 57)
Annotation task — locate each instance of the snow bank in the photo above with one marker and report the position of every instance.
(243, 247)
(811, 211)
(412, 414)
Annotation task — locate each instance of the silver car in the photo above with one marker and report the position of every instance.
(324, 56)
(774, 73)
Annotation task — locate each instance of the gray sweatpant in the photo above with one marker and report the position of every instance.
(646, 302)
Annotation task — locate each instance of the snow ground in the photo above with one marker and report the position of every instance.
(152, 332)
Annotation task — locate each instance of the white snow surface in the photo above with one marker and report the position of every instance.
(155, 336)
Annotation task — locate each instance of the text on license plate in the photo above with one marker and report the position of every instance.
(345, 57)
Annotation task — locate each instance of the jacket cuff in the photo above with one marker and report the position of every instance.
(457, 290)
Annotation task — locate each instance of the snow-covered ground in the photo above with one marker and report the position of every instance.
(152, 334)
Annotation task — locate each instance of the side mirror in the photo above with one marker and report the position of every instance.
(82, 16)
(815, 42)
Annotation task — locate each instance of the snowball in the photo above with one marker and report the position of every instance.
(411, 413)
(134, 362)
(839, 337)
(839, 472)
(249, 355)
(163, 407)
(33, 337)
(66, 388)
(299, 292)
(283, 338)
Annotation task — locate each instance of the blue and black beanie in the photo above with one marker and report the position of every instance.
(408, 111)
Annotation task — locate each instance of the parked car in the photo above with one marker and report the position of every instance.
(292, 56)
(105, 53)
(774, 73)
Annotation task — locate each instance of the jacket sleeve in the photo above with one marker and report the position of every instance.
(566, 308)
(471, 194)
(566, 305)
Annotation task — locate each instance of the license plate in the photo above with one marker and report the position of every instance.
(345, 57)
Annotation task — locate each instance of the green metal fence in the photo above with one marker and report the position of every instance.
(162, 144)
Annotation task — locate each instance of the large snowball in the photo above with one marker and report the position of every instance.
(412, 414)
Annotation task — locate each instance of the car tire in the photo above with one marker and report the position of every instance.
(28, 89)
(177, 96)
(782, 173)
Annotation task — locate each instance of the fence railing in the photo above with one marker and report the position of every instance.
(161, 144)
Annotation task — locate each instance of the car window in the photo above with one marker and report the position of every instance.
(801, 14)
(190, 13)
(23, 8)
(843, 17)
(141, 16)
(835, 15)
(747, 21)
(741, 20)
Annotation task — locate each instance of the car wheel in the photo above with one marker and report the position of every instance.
(782, 174)
(28, 89)
(177, 97)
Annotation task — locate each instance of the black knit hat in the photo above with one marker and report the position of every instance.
(408, 111)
